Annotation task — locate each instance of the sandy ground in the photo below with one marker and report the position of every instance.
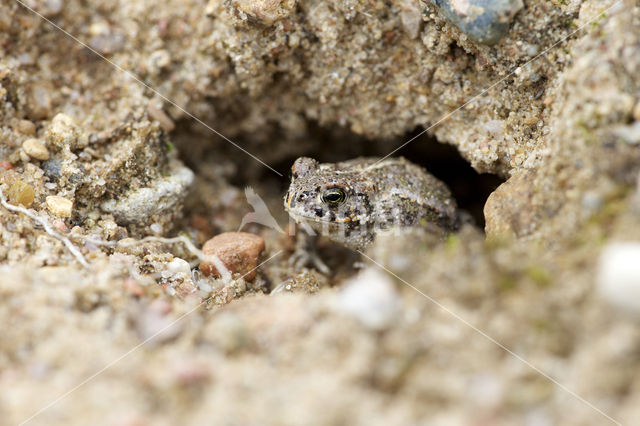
(109, 169)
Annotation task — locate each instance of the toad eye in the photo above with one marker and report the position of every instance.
(333, 197)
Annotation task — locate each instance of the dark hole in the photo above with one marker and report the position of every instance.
(470, 188)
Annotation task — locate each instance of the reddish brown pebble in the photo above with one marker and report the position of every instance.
(239, 251)
(6, 165)
(60, 226)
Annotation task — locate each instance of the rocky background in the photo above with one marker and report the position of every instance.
(114, 170)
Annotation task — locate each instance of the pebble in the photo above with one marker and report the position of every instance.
(483, 21)
(156, 228)
(238, 251)
(64, 132)
(60, 226)
(371, 298)
(21, 192)
(26, 127)
(53, 168)
(139, 204)
(59, 206)
(411, 18)
(618, 277)
(35, 149)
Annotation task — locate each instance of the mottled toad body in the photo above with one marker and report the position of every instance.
(350, 202)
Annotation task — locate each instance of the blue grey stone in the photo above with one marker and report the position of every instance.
(483, 21)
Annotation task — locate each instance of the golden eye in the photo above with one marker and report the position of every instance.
(333, 197)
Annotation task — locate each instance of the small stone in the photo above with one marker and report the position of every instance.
(60, 226)
(162, 197)
(23, 156)
(411, 18)
(59, 206)
(238, 251)
(21, 192)
(36, 149)
(178, 265)
(65, 133)
(371, 298)
(156, 228)
(26, 127)
(483, 21)
(52, 169)
(618, 277)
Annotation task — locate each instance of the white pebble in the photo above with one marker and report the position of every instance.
(618, 276)
(371, 298)
(59, 206)
(178, 265)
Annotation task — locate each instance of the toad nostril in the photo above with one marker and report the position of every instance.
(319, 212)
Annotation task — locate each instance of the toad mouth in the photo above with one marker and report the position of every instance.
(299, 217)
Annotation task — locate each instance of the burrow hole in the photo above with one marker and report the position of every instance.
(470, 188)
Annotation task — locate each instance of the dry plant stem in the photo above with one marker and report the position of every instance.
(47, 228)
(222, 269)
(224, 272)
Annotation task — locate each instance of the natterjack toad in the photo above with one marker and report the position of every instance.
(350, 202)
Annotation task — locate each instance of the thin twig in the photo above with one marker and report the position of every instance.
(47, 228)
